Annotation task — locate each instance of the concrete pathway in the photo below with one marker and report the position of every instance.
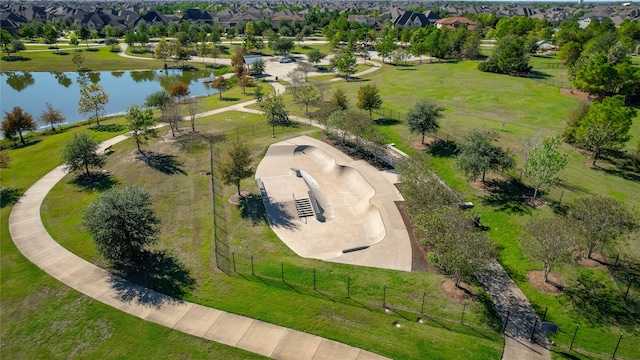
(519, 316)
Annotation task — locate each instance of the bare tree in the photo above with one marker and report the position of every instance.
(193, 107)
(171, 115)
(551, 242)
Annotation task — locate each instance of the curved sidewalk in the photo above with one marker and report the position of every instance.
(35, 243)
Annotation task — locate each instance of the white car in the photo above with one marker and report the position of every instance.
(284, 60)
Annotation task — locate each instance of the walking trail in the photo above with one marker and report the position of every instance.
(277, 342)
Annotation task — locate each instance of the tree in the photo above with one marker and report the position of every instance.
(305, 68)
(51, 35)
(258, 94)
(601, 220)
(220, 83)
(347, 64)
(551, 241)
(237, 166)
(73, 40)
(193, 107)
(162, 52)
(509, 57)
(423, 117)
(92, 101)
(257, 67)
(179, 90)
(84, 33)
(385, 46)
(140, 124)
(606, 127)
(17, 122)
(171, 115)
(122, 224)
(574, 120)
(77, 59)
(315, 56)
(80, 153)
(543, 162)
(477, 154)
(5, 38)
(157, 99)
(308, 95)
(244, 81)
(52, 116)
(339, 98)
(18, 46)
(369, 98)
(275, 112)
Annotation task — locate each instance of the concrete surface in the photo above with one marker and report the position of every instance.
(356, 201)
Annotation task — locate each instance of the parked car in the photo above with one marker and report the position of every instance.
(284, 60)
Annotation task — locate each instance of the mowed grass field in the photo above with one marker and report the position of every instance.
(182, 199)
(517, 108)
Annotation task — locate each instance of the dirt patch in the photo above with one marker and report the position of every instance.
(479, 185)
(419, 261)
(554, 286)
(460, 294)
(595, 262)
(575, 93)
(236, 199)
(418, 145)
(536, 203)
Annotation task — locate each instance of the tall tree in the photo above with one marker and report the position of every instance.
(220, 83)
(339, 98)
(477, 154)
(423, 117)
(84, 34)
(80, 153)
(140, 124)
(179, 90)
(369, 98)
(308, 95)
(275, 112)
(602, 220)
(257, 67)
(18, 46)
(171, 115)
(17, 122)
(551, 241)
(92, 101)
(5, 39)
(347, 64)
(158, 99)
(52, 116)
(258, 94)
(237, 166)
(315, 56)
(305, 68)
(193, 107)
(163, 51)
(606, 127)
(122, 224)
(543, 162)
(246, 81)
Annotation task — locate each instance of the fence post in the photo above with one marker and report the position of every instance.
(545, 314)
(384, 296)
(282, 271)
(574, 337)
(252, 271)
(424, 294)
(615, 265)
(628, 288)
(233, 257)
(464, 306)
(348, 287)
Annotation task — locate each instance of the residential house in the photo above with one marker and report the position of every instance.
(285, 14)
(455, 22)
(410, 19)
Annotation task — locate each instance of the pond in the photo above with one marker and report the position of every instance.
(32, 90)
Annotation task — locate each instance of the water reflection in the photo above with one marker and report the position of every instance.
(32, 90)
(63, 79)
(20, 81)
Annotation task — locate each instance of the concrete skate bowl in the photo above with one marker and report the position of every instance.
(347, 181)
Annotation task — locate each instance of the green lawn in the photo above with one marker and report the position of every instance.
(186, 234)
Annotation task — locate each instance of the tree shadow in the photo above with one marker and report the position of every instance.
(252, 208)
(387, 121)
(443, 148)
(225, 98)
(279, 214)
(99, 181)
(601, 304)
(489, 311)
(535, 74)
(15, 58)
(28, 144)
(108, 128)
(156, 272)
(508, 195)
(166, 164)
(9, 196)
